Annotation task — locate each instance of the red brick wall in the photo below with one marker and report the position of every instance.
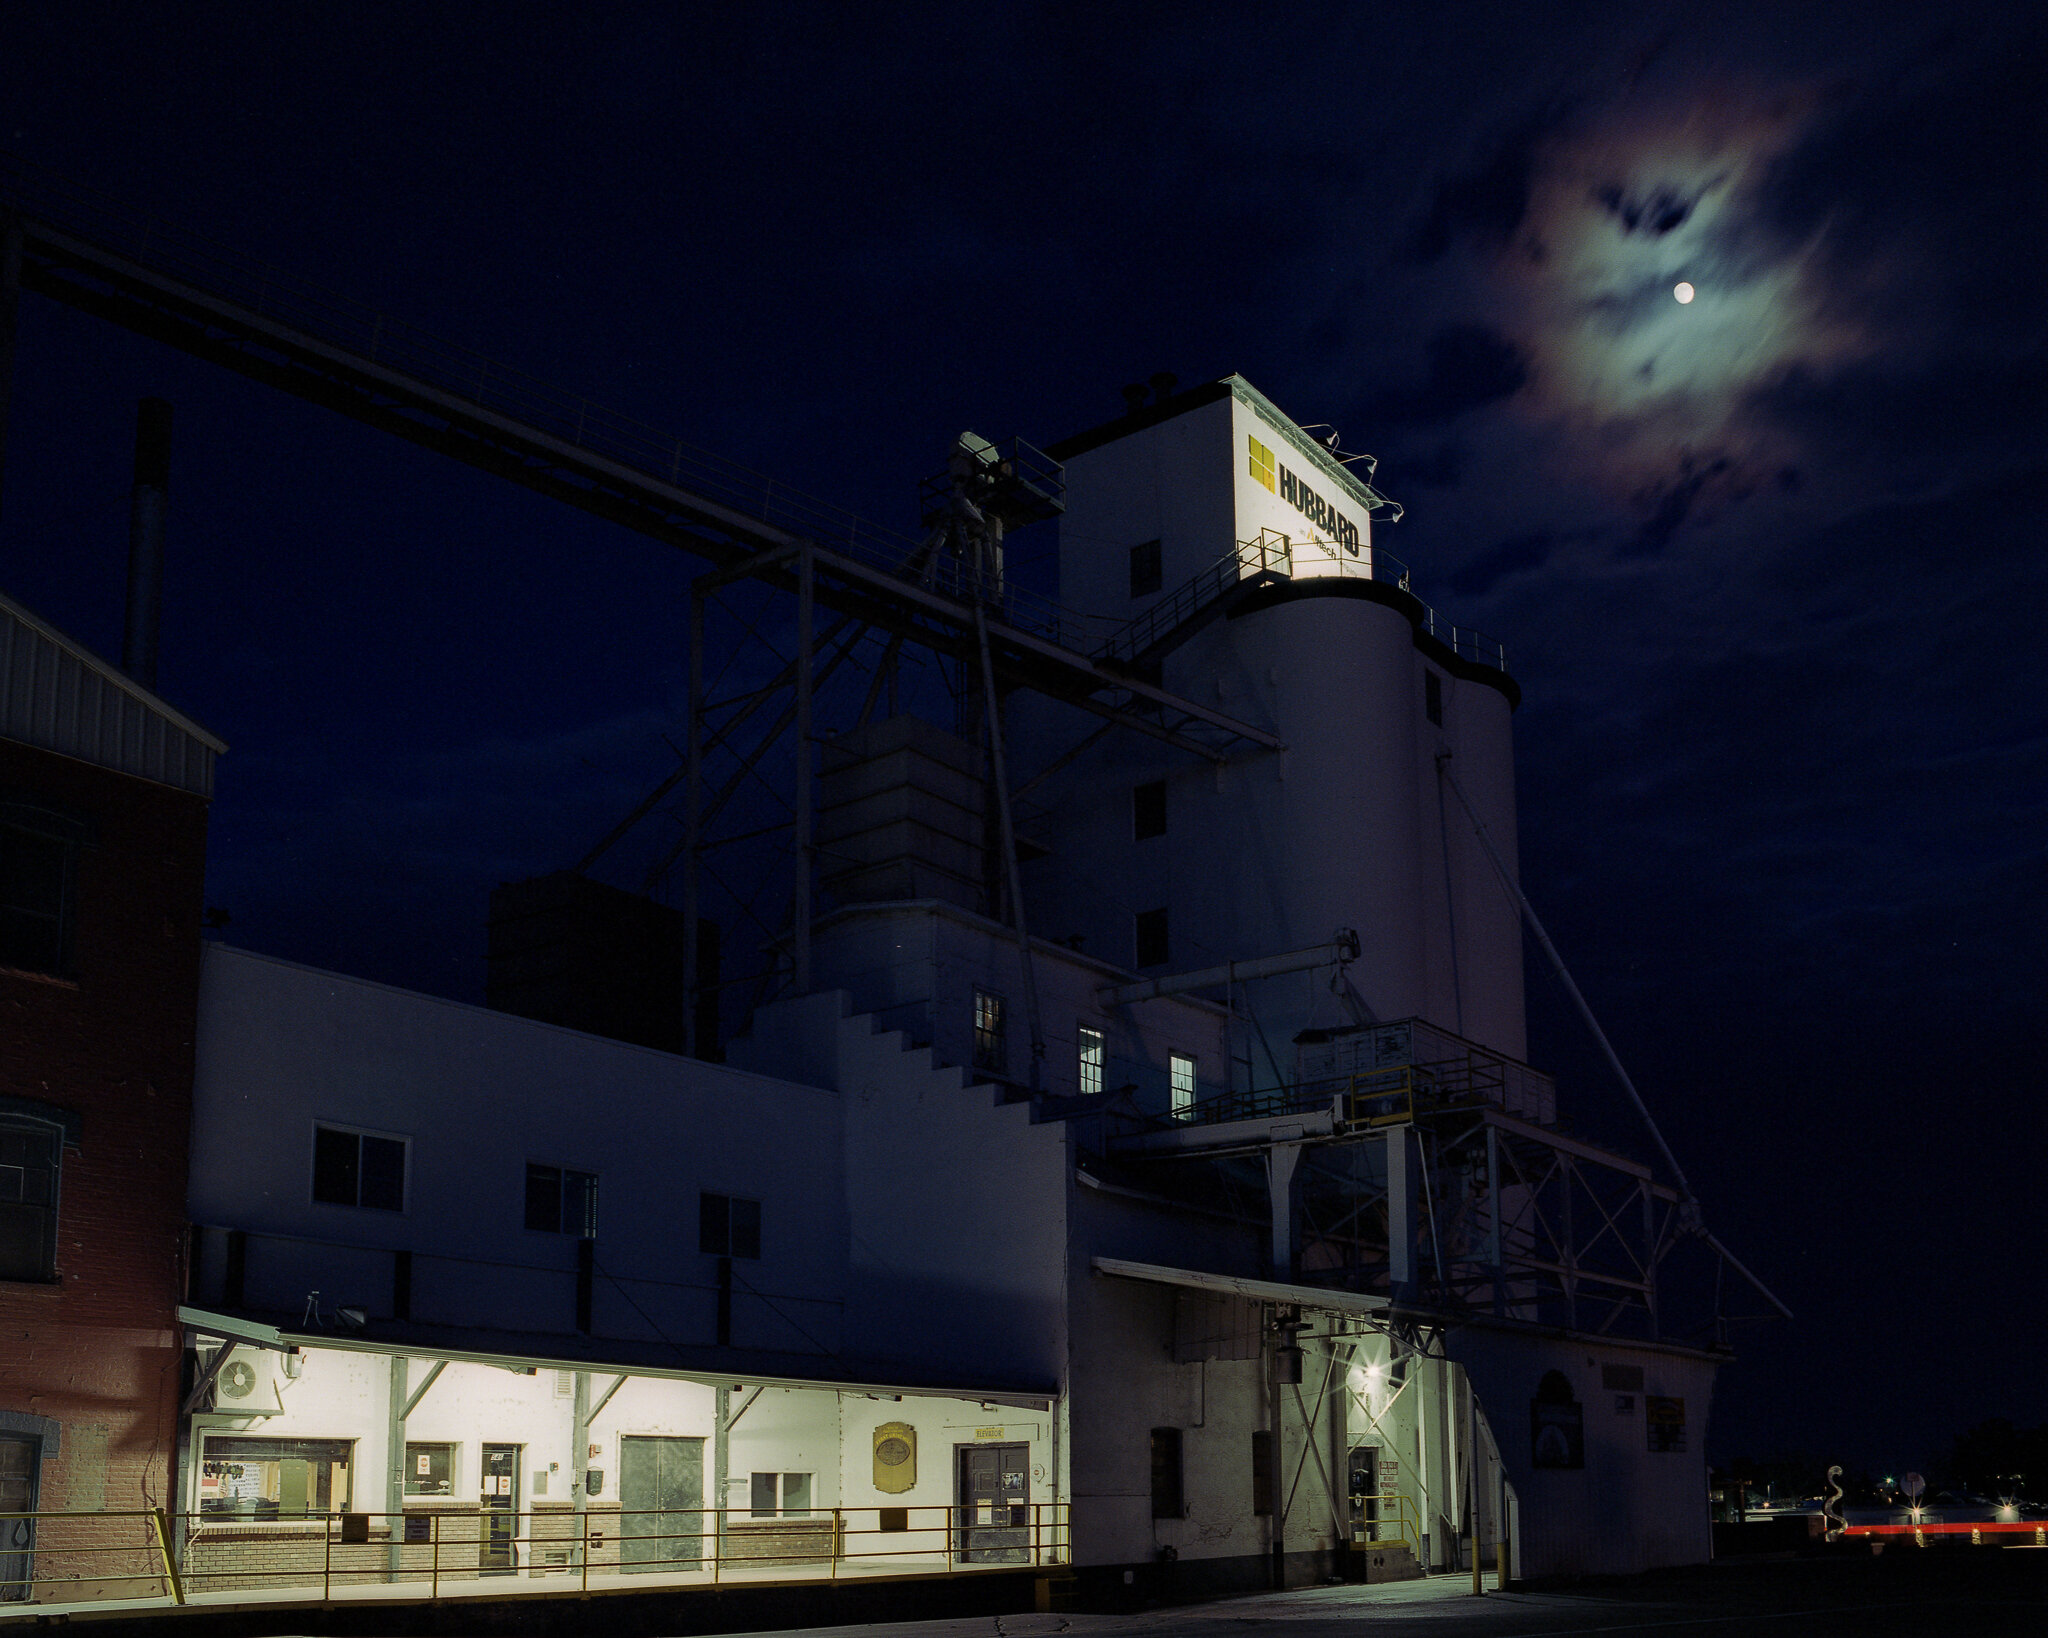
(98, 1351)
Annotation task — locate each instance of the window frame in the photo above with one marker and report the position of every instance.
(27, 821)
(564, 1216)
(1148, 810)
(1151, 935)
(28, 1125)
(1148, 568)
(1169, 1475)
(315, 1505)
(778, 1491)
(1089, 1067)
(361, 1134)
(991, 1026)
(1182, 1090)
(723, 1233)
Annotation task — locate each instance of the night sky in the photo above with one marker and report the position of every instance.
(1767, 564)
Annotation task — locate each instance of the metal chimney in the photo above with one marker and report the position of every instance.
(146, 539)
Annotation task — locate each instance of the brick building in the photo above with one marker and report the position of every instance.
(103, 803)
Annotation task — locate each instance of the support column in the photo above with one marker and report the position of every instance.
(1282, 1159)
(579, 1460)
(394, 1467)
(806, 590)
(1493, 1231)
(1404, 1193)
(10, 305)
(693, 823)
(721, 1445)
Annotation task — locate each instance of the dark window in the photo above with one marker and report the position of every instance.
(1151, 931)
(30, 1152)
(1145, 571)
(728, 1226)
(1167, 1499)
(358, 1169)
(1433, 697)
(35, 901)
(1262, 1472)
(991, 1039)
(1148, 810)
(559, 1201)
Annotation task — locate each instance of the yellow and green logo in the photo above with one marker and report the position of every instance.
(1262, 463)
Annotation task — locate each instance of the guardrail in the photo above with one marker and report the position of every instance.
(440, 1548)
(77, 1545)
(1407, 1524)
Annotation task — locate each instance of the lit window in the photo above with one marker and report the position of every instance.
(31, 1151)
(1148, 810)
(782, 1495)
(1180, 1077)
(1094, 1057)
(358, 1169)
(275, 1478)
(991, 1045)
(559, 1201)
(1150, 929)
(429, 1469)
(728, 1226)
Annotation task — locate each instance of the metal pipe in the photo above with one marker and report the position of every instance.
(1007, 838)
(1343, 948)
(147, 506)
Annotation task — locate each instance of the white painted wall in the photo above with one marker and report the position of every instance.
(477, 1095)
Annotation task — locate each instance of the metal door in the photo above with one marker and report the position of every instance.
(1364, 1487)
(17, 1535)
(661, 1496)
(995, 1504)
(498, 1539)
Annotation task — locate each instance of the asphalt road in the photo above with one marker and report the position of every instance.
(1972, 1593)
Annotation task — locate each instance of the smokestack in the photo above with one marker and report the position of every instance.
(146, 539)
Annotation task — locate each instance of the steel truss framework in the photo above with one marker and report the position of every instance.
(101, 257)
(1459, 1212)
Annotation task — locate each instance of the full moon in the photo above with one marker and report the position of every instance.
(1684, 293)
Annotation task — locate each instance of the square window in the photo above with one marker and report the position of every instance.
(1145, 568)
(1180, 1080)
(728, 1226)
(358, 1169)
(561, 1201)
(1150, 929)
(429, 1469)
(1094, 1058)
(1148, 810)
(781, 1495)
(1433, 697)
(1262, 464)
(991, 1042)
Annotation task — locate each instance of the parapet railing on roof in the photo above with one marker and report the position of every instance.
(1270, 557)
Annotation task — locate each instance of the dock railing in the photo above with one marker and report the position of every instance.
(468, 1550)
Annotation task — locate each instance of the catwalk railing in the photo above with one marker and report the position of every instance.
(469, 1549)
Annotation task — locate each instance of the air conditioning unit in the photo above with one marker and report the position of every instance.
(247, 1385)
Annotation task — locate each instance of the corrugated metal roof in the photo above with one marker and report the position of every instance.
(63, 697)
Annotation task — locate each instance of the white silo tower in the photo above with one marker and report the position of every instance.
(1235, 551)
